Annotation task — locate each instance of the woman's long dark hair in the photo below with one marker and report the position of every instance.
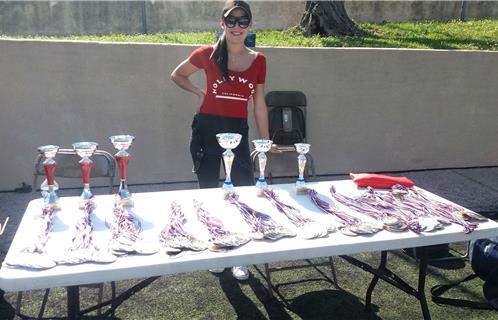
(220, 56)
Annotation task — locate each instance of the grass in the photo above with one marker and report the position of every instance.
(471, 35)
(202, 295)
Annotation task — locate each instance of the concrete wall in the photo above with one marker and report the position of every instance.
(166, 16)
(369, 109)
(70, 17)
(130, 17)
(378, 11)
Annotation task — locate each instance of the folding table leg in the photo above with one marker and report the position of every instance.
(42, 307)
(373, 283)
(18, 302)
(268, 280)
(334, 274)
(44, 303)
(73, 302)
(421, 285)
(113, 295)
(100, 296)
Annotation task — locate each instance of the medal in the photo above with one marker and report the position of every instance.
(468, 216)
(364, 228)
(428, 224)
(390, 221)
(399, 227)
(347, 232)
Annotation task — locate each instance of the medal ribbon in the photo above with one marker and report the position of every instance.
(326, 207)
(258, 221)
(47, 227)
(124, 224)
(434, 207)
(175, 228)
(214, 225)
(292, 213)
(83, 237)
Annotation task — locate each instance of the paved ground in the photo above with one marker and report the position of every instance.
(476, 189)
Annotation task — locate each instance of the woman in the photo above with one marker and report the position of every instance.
(234, 74)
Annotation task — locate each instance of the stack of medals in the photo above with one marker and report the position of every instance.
(442, 211)
(351, 226)
(83, 249)
(262, 225)
(416, 212)
(35, 256)
(220, 237)
(389, 212)
(307, 228)
(125, 229)
(389, 222)
(174, 236)
(393, 224)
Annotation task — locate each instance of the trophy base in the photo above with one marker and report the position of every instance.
(300, 187)
(261, 186)
(55, 206)
(126, 202)
(124, 197)
(260, 192)
(86, 196)
(123, 202)
(300, 190)
(84, 202)
(52, 200)
(228, 187)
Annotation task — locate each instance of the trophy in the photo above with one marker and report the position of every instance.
(85, 150)
(302, 149)
(49, 186)
(228, 141)
(122, 143)
(261, 147)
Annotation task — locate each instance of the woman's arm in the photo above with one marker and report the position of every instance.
(181, 76)
(260, 111)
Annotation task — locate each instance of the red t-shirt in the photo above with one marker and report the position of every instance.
(228, 98)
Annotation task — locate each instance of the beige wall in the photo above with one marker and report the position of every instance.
(369, 109)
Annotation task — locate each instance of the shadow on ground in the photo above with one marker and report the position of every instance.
(243, 305)
(6, 310)
(327, 303)
(311, 305)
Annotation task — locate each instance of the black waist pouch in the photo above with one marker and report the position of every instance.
(196, 150)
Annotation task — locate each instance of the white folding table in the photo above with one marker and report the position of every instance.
(153, 209)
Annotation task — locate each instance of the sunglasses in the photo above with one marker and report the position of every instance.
(231, 21)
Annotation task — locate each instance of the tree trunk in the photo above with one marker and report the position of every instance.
(328, 18)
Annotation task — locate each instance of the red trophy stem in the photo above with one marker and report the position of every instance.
(123, 166)
(85, 171)
(50, 172)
